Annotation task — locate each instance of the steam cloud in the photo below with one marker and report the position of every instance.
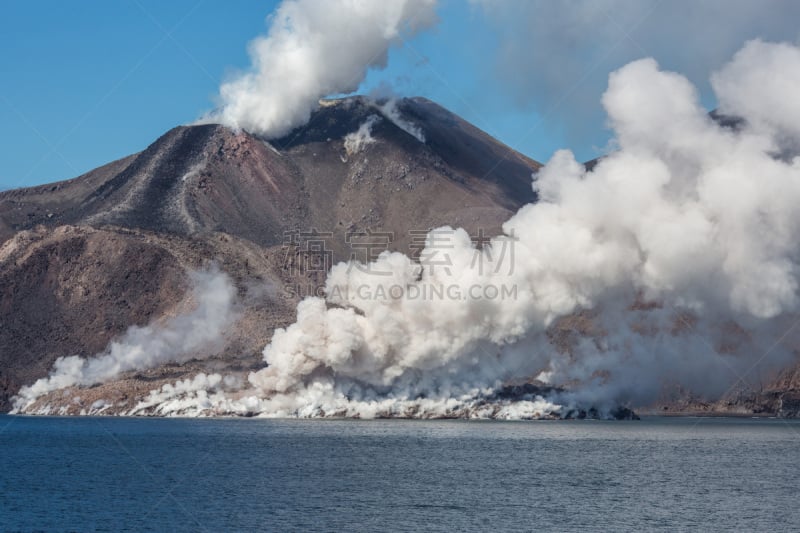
(679, 240)
(179, 339)
(355, 141)
(552, 57)
(391, 112)
(315, 49)
(678, 249)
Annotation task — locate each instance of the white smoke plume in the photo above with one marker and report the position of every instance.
(682, 243)
(391, 112)
(213, 394)
(758, 84)
(196, 333)
(553, 57)
(190, 396)
(314, 49)
(355, 141)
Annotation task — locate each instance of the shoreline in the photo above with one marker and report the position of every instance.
(646, 414)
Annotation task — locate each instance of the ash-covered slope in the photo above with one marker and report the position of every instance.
(196, 179)
(82, 260)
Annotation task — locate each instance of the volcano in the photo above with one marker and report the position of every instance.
(83, 260)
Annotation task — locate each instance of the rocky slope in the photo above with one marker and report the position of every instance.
(82, 260)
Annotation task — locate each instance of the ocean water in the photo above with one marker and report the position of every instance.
(123, 474)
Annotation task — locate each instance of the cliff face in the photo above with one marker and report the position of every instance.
(82, 260)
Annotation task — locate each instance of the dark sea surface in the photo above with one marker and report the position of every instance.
(123, 474)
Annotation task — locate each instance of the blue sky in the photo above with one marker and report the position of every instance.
(86, 82)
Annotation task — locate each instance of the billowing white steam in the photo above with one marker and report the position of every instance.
(355, 141)
(194, 334)
(314, 49)
(681, 244)
(759, 84)
(687, 213)
(391, 112)
(551, 57)
(188, 396)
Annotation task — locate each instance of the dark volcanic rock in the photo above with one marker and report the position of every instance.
(618, 413)
(529, 391)
(789, 406)
(623, 413)
(524, 391)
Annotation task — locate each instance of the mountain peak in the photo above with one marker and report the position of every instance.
(210, 178)
(206, 192)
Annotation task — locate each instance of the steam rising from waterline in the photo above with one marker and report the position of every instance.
(193, 334)
(690, 218)
(681, 244)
